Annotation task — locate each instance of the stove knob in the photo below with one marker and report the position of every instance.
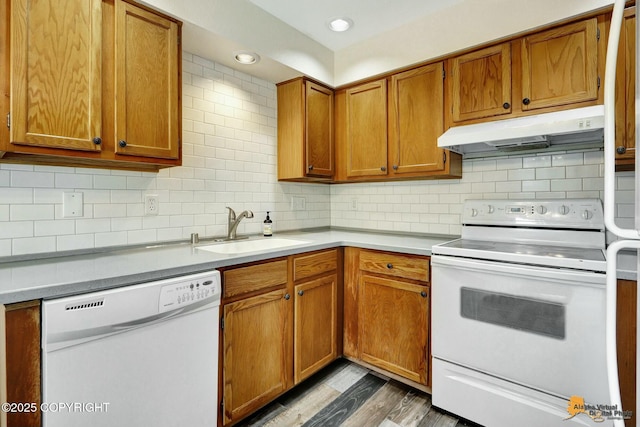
(586, 214)
(474, 212)
(489, 209)
(541, 210)
(563, 210)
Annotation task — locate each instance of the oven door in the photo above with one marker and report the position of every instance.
(541, 328)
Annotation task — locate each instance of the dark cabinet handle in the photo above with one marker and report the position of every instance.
(97, 140)
(526, 101)
(287, 297)
(389, 266)
(300, 292)
(395, 167)
(423, 294)
(506, 105)
(621, 149)
(122, 143)
(383, 168)
(310, 167)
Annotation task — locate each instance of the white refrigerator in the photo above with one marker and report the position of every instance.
(626, 238)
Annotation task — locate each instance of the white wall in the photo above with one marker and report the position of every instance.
(230, 160)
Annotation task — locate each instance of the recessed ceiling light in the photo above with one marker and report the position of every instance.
(245, 57)
(340, 24)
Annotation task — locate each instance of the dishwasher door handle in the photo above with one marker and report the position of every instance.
(58, 340)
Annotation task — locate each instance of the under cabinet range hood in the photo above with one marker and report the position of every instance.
(580, 127)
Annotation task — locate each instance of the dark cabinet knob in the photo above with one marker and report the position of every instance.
(526, 101)
(621, 149)
(423, 294)
(97, 140)
(389, 266)
(310, 167)
(122, 143)
(506, 105)
(395, 167)
(383, 168)
(300, 292)
(287, 297)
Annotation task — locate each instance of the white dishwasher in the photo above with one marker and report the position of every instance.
(141, 355)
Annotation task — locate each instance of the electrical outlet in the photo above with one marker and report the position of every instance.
(354, 204)
(151, 204)
(298, 203)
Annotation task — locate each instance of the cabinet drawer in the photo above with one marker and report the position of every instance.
(405, 266)
(254, 278)
(313, 264)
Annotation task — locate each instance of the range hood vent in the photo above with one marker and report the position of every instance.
(580, 127)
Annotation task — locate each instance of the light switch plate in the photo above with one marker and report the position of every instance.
(298, 203)
(72, 205)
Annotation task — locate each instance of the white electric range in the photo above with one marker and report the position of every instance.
(518, 313)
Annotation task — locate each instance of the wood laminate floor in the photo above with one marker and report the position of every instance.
(348, 395)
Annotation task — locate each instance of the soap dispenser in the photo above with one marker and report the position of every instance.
(267, 230)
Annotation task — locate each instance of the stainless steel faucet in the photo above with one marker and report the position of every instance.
(234, 221)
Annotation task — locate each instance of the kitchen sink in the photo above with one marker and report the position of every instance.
(244, 246)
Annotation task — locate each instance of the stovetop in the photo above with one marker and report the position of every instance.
(567, 233)
(521, 253)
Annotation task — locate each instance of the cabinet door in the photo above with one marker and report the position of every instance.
(315, 326)
(23, 361)
(481, 83)
(560, 66)
(319, 130)
(147, 70)
(366, 137)
(393, 320)
(257, 352)
(625, 93)
(56, 79)
(416, 120)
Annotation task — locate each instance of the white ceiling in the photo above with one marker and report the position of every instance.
(292, 38)
(370, 17)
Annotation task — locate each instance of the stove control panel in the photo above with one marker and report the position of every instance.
(547, 213)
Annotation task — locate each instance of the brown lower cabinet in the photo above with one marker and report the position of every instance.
(22, 329)
(280, 325)
(386, 313)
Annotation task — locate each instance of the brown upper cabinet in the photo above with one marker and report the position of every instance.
(541, 72)
(625, 93)
(365, 130)
(481, 83)
(95, 83)
(305, 131)
(560, 66)
(388, 128)
(416, 120)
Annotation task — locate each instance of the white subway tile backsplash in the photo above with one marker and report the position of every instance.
(31, 212)
(75, 242)
(522, 174)
(567, 159)
(536, 162)
(33, 245)
(31, 179)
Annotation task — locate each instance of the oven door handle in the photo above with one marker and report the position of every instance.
(588, 278)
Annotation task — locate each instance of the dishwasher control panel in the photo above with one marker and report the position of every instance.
(192, 289)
